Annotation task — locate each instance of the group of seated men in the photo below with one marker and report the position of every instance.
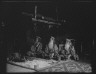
(53, 50)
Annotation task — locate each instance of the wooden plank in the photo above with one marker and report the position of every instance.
(14, 69)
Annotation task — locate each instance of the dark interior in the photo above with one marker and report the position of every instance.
(79, 16)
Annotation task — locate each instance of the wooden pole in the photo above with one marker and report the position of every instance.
(35, 27)
(35, 12)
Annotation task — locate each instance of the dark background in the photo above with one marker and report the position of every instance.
(80, 21)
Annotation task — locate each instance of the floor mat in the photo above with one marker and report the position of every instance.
(68, 66)
(56, 66)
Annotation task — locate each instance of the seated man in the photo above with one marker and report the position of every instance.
(70, 50)
(38, 47)
(49, 53)
(61, 50)
(33, 51)
(56, 52)
(52, 48)
(49, 50)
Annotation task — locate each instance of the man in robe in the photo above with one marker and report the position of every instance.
(70, 50)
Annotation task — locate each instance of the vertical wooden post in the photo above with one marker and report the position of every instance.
(35, 27)
(35, 12)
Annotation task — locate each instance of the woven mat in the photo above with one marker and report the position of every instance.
(68, 66)
(65, 66)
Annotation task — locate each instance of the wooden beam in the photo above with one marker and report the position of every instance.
(44, 21)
